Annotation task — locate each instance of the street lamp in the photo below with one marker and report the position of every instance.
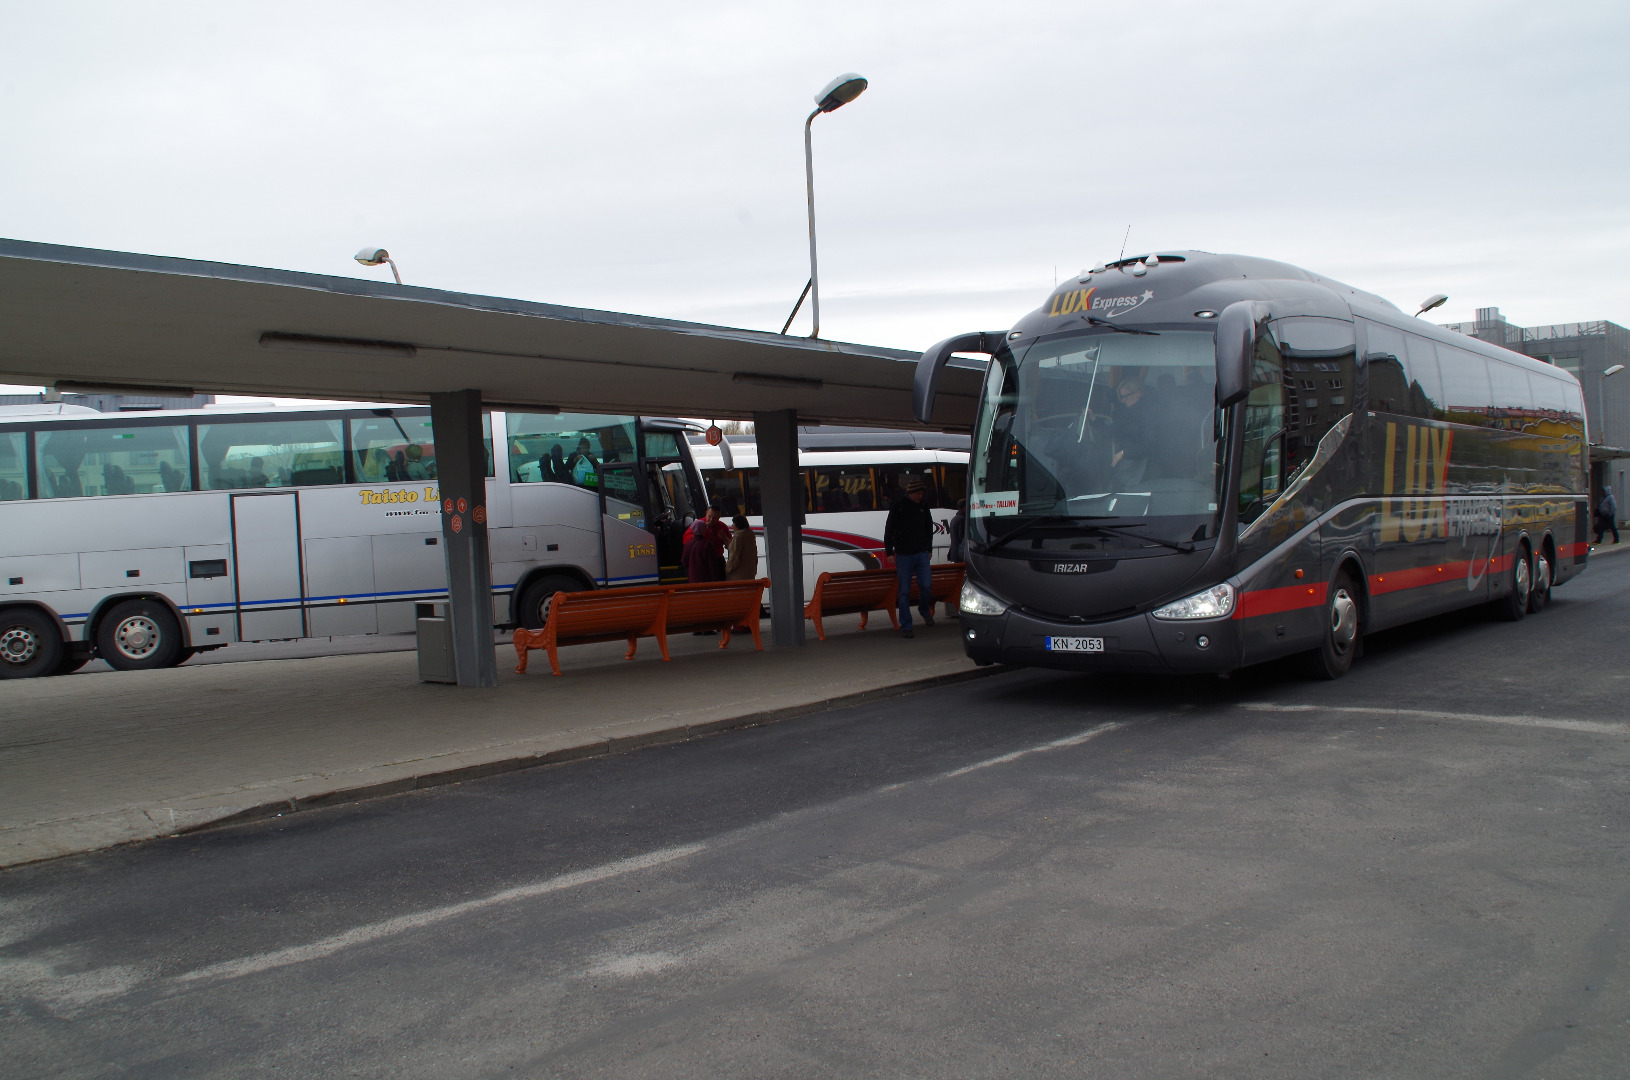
(1601, 416)
(835, 95)
(373, 256)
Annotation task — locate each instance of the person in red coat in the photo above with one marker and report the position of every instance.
(705, 547)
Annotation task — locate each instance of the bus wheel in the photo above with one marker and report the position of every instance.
(1540, 594)
(532, 610)
(1335, 653)
(29, 644)
(1514, 604)
(138, 635)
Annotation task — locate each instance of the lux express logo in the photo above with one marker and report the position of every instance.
(1110, 307)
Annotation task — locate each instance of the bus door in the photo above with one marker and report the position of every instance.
(266, 555)
(630, 550)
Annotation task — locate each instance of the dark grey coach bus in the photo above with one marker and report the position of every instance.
(1191, 462)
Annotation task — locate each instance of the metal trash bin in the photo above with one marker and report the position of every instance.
(435, 640)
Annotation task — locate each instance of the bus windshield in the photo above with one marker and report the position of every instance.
(1101, 436)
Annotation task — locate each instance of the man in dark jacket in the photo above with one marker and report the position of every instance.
(1607, 516)
(909, 537)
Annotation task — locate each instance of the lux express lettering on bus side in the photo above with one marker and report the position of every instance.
(1082, 300)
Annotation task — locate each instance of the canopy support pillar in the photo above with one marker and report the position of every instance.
(780, 485)
(461, 470)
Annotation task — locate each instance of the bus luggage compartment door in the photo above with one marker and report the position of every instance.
(630, 550)
(266, 553)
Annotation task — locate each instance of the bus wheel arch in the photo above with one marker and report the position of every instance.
(140, 632)
(1519, 583)
(529, 603)
(1544, 575)
(1346, 613)
(32, 641)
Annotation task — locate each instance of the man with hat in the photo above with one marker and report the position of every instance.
(909, 538)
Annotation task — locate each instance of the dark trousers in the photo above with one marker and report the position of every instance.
(1606, 524)
(907, 567)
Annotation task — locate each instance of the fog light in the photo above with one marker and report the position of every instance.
(1203, 641)
(972, 634)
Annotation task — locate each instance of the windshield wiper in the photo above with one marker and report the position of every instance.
(1118, 328)
(1025, 526)
(1115, 530)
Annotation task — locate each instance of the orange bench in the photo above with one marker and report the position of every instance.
(725, 606)
(851, 591)
(866, 591)
(583, 618)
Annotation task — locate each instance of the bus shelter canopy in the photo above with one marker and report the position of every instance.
(85, 319)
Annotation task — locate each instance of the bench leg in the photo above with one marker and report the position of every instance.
(864, 615)
(724, 637)
(633, 646)
(661, 634)
(758, 642)
(820, 631)
(894, 619)
(523, 640)
(554, 657)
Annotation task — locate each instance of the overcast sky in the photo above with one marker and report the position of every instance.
(648, 157)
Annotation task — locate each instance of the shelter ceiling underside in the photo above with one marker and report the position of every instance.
(116, 325)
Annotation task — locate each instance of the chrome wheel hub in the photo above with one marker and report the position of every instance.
(1343, 621)
(1523, 579)
(1542, 574)
(136, 637)
(18, 645)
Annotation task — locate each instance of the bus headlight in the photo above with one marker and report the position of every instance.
(976, 601)
(1215, 603)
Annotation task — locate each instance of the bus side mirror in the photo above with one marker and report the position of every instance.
(1236, 345)
(932, 362)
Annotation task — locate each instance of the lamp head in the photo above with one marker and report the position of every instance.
(1614, 370)
(840, 91)
(1434, 301)
(373, 256)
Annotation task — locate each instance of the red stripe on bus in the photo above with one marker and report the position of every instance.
(1273, 601)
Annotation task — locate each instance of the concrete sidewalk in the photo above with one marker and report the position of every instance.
(92, 760)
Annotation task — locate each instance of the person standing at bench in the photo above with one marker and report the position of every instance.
(705, 547)
(741, 558)
(909, 537)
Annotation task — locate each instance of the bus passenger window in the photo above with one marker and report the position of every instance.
(566, 448)
(274, 453)
(1465, 386)
(13, 471)
(1262, 467)
(1513, 401)
(841, 487)
(85, 460)
(392, 449)
(1425, 385)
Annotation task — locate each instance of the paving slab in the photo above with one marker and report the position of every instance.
(103, 758)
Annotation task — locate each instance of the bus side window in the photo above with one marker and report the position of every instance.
(393, 449)
(87, 460)
(1465, 386)
(1425, 384)
(1513, 401)
(13, 469)
(953, 485)
(1384, 369)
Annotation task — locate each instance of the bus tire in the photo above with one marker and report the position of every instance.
(1343, 617)
(30, 644)
(1514, 604)
(532, 610)
(139, 635)
(1544, 576)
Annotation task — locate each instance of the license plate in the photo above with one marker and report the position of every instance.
(1075, 644)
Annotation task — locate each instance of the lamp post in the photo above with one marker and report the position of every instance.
(373, 256)
(1601, 415)
(836, 94)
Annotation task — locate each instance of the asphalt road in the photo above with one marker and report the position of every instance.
(1419, 871)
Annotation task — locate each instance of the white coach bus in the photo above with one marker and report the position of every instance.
(851, 478)
(142, 538)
